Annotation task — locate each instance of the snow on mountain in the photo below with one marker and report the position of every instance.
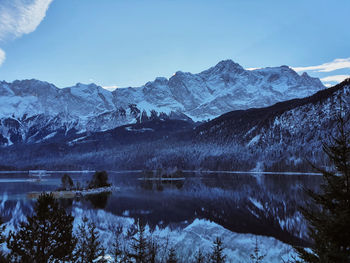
(32, 110)
(199, 234)
(222, 88)
(33, 97)
(288, 133)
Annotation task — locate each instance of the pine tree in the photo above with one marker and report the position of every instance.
(82, 246)
(67, 182)
(217, 255)
(139, 244)
(2, 240)
(94, 245)
(2, 229)
(99, 179)
(117, 249)
(199, 257)
(46, 236)
(89, 246)
(329, 213)
(171, 256)
(256, 257)
(152, 247)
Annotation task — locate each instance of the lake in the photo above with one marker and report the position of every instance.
(262, 204)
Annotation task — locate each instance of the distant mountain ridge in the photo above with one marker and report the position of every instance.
(33, 110)
(281, 137)
(220, 89)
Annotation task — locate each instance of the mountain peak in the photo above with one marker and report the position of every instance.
(161, 80)
(228, 64)
(82, 85)
(305, 75)
(225, 66)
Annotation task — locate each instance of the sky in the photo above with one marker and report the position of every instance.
(121, 43)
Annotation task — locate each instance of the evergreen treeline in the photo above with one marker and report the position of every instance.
(47, 236)
(328, 214)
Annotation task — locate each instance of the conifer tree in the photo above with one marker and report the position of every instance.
(94, 244)
(2, 229)
(89, 246)
(171, 256)
(328, 214)
(99, 179)
(199, 257)
(82, 244)
(152, 247)
(139, 244)
(256, 256)
(46, 236)
(117, 249)
(217, 255)
(2, 240)
(67, 182)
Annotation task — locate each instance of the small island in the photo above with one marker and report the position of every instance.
(97, 185)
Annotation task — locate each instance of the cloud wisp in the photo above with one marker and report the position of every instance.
(335, 78)
(2, 56)
(19, 17)
(339, 63)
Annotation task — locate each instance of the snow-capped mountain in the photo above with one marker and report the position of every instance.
(220, 89)
(280, 137)
(287, 134)
(33, 110)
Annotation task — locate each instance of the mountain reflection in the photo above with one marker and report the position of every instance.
(244, 203)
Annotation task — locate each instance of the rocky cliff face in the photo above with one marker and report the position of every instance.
(33, 110)
(220, 89)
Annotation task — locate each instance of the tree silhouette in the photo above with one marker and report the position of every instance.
(328, 214)
(139, 244)
(2, 240)
(89, 246)
(256, 256)
(171, 256)
(99, 179)
(46, 236)
(199, 257)
(217, 255)
(67, 182)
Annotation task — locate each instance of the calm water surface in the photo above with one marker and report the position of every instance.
(246, 203)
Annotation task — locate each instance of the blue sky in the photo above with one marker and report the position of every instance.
(129, 42)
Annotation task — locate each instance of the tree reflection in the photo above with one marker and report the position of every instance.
(98, 201)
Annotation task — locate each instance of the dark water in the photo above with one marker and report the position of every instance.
(246, 203)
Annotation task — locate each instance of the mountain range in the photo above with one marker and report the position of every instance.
(283, 137)
(33, 111)
(87, 127)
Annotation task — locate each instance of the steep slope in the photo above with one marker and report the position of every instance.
(34, 111)
(281, 137)
(222, 88)
(292, 131)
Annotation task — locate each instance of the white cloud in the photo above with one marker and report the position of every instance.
(335, 78)
(2, 56)
(110, 88)
(339, 63)
(19, 17)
